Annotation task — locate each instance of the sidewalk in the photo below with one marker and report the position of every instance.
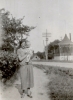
(39, 91)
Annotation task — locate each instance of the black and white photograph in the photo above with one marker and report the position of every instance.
(36, 49)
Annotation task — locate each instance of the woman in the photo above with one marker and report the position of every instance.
(26, 69)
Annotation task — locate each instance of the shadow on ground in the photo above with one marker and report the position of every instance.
(18, 86)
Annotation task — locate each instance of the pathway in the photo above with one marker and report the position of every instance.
(39, 91)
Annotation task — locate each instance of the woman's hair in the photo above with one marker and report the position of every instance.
(21, 43)
(27, 43)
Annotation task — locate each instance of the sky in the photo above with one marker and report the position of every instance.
(55, 16)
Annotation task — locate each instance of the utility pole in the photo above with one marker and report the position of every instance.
(46, 35)
(61, 38)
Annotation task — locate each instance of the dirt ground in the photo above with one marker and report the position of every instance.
(39, 92)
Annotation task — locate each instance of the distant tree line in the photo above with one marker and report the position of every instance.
(53, 49)
(41, 55)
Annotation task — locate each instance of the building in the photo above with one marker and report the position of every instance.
(36, 57)
(66, 49)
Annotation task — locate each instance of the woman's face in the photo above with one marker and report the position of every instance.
(23, 45)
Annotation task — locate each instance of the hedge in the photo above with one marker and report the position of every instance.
(9, 64)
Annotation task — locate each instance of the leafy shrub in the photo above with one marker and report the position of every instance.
(9, 64)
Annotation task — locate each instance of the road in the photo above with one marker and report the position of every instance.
(60, 64)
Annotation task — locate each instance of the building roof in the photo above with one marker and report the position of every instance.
(36, 57)
(66, 41)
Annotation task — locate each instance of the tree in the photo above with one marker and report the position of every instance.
(53, 48)
(14, 30)
(41, 55)
(13, 34)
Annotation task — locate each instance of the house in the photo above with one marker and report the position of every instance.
(36, 57)
(65, 49)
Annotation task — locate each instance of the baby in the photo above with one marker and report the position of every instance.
(29, 52)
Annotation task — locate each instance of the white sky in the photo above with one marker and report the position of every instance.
(54, 15)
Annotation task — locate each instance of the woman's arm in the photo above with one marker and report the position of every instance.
(21, 58)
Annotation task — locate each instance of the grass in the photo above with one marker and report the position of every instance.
(61, 82)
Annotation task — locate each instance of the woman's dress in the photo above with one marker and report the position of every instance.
(26, 70)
